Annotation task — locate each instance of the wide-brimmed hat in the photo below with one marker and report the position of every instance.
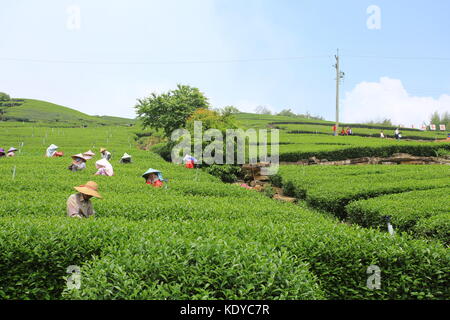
(102, 149)
(90, 188)
(126, 156)
(82, 157)
(2, 150)
(12, 149)
(149, 171)
(88, 155)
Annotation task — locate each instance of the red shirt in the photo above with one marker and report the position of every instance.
(190, 164)
(156, 184)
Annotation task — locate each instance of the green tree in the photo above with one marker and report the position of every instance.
(262, 110)
(286, 113)
(435, 118)
(4, 97)
(446, 119)
(170, 111)
(229, 110)
(211, 119)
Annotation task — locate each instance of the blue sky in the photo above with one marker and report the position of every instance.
(123, 50)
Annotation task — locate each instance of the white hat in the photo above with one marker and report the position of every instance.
(125, 156)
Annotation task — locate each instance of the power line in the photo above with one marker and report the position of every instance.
(161, 62)
(238, 60)
(399, 58)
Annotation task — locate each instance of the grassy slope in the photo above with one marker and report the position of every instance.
(289, 124)
(42, 111)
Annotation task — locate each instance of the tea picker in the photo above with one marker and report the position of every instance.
(189, 161)
(126, 158)
(105, 154)
(11, 152)
(154, 178)
(79, 205)
(78, 163)
(104, 168)
(51, 151)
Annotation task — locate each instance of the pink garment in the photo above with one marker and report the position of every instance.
(101, 172)
(104, 168)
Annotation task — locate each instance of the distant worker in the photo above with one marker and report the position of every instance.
(105, 154)
(334, 129)
(11, 152)
(349, 131)
(189, 161)
(79, 205)
(88, 155)
(104, 168)
(153, 177)
(126, 158)
(51, 150)
(397, 134)
(382, 135)
(343, 133)
(2, 153)
(78, 163)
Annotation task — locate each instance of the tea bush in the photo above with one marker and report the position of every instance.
(332, 188)
(195, 238)
(406, 210)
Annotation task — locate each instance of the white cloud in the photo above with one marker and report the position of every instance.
(389, 99)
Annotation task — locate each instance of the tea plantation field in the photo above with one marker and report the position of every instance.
(314, 138)
(415, 196)
(305, 126)
(198, 238)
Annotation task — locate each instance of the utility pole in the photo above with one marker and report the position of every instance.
(339, 76)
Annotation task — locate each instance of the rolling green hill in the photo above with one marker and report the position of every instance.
(295, 125)
(41, 111)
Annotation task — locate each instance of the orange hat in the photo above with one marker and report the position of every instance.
(90, 188)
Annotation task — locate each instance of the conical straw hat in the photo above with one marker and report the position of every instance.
(89, 153)
(79, 156)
